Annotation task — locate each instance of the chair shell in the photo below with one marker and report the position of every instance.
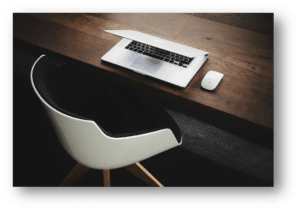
(90, 146)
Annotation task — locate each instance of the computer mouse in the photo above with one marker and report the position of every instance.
(211, 80)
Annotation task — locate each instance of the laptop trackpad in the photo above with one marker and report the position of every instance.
(147, 64)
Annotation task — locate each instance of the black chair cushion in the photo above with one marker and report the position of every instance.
(117, 109)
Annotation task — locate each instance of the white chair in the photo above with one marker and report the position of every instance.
(88, 140)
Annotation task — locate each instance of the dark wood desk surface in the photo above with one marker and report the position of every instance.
(245, 94)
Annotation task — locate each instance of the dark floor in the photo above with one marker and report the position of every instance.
(213, 153)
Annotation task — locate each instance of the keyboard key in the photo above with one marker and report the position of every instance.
(151, 55)
(184, 62)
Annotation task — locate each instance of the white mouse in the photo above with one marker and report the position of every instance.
(211, 80)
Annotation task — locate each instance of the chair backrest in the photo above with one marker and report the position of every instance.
(85, 141)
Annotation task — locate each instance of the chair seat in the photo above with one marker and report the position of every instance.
(117, 109)
(120, 111)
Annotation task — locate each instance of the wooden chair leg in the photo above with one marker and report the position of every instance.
(75, 174)
(139, 171)
(106, 178)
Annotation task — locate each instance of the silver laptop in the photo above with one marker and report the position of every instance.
(156, 57)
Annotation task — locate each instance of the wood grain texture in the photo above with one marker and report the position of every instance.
(139, 171)
(106, 178)
(245, 94)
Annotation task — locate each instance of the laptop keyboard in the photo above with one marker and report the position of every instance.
(158, 53)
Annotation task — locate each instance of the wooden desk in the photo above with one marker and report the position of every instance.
(245, 94)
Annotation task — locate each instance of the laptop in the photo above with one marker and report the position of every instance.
(165, 60)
